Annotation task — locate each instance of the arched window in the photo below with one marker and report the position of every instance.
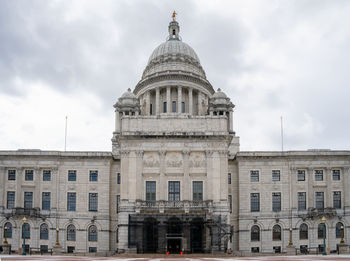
(338, 229)
(26, 230)
(303, 231)
(8, 228)
(255, 233)
(276, 232)
(44, 231)
(71, 233)
(92, 233)
(321, 229)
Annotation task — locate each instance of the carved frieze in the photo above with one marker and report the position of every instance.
(151, 159)
(197, 160)
(174, 159)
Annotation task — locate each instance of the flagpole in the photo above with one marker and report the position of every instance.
(65, 135)
(282, 132)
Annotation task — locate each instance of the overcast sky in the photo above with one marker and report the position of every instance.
(272, 58)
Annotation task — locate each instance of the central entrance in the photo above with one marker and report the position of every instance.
(174, 245)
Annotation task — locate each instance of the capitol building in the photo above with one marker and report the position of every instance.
(175, 179)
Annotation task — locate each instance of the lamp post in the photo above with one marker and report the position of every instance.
(324, 235)
(5, 235)
(57, 241)
(24, 219)
(342, 234)
(290, 237)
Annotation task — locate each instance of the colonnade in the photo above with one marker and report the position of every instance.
(173, 100)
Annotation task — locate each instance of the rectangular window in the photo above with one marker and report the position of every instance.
(255, 249)
(92, 249)
(277, 249)
(182, 107)
(254, 176)
(46, 175)
(93, 201)
(11, 174)
(11, 199)
(254, 202)
(46, 201)
(28, 174)
(118, 203)
(118, 178)
(72, 175)
(44, 248)
(319, 175)
(150, 109)
(230, 202)
(301, 200)
(150, 190)
(197, 190)
(71, 201)
(319, 200)
(173, 107)
(276, 201)
(164, 107)
(229, 178)
(28, 200)
(336, 174)
(337, 199)
(174, 190)
(70, 249)
(276, 175)
(301, 175)
(93, 175)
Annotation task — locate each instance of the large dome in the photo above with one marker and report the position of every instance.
(173, 56)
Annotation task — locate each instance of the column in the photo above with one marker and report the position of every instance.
(168, 99)
(157, 101)
(148, 102)
(199, 104)
(179, 99)
(230, 119)
(190, 101)
(117, 121)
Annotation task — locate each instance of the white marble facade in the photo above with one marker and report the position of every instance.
(175, 156)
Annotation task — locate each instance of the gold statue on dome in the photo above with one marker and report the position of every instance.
(174, 15)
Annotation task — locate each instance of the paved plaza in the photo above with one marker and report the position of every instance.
(80, 258)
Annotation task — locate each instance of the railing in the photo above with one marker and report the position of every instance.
(318, 213)
(186, 205)
(28, 212)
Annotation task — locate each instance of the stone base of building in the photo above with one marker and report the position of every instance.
(343, 248)
(6, 249)
(56, 249)
(291, 250)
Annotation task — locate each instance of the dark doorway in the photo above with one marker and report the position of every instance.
(174, 227)
(174, 246)
(150, 235)
(197, 226)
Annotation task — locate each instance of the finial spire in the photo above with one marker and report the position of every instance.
(174, 16)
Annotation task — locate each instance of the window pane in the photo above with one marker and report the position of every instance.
(174, 190)
(28, 200)
(93, 201)
(255, 233)
(118, 178)
(92, 233)
(164, 107)
(301, 175)
(276, 232)
(321, 231)
(8, 229)
(319, 200)
(46, 201)
(276, 175)
(319, 175)
(72, 175)
(197, 190)
(71, 233)
(71, 201)
(11, 174)
(26, 230)
(29, 174)
(150, 190)
(44, 231)
(337, 199)
(182, 107)
(93, 175)
(10, 199)
(303, 231)
(229, 178)
(254, 176)
(276, 201)
(336, 174)
(174, 106)
(254, 202)
(301, 200)
(46, 175)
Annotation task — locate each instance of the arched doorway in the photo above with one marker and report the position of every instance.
(150, 235)
(197, 226)
(174, 235)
